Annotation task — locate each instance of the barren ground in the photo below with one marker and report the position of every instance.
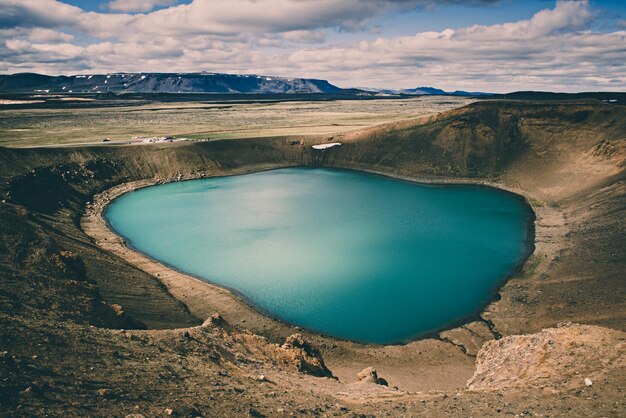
(202, 120)
(73, 301)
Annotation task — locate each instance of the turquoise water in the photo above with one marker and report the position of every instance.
(347, 254)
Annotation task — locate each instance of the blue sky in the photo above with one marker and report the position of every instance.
(459, 15)
(488, 45)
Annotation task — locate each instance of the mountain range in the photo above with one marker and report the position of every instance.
(419, 91)
(162, 83)
(201, 82)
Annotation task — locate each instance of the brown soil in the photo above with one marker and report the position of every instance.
(67, 291)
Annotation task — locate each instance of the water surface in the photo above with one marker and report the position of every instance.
(347, 254)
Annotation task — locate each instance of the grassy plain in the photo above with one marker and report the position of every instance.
(50, 125)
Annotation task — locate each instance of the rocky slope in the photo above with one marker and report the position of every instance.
(553, 359)
(73, 315)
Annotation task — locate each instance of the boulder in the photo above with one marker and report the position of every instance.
(304, 357)
(117, 316)
(370, 375)
(104, 392)
(214, 320)
(553, 357)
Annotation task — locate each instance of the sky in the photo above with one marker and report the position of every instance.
(473, 45)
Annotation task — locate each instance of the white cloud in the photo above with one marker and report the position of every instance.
(64, 49)
(17, 44)
(48, 35)
(38, 13)
(207, 16)
(137, 5)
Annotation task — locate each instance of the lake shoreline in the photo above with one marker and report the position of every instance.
(409, 328)
(159, 269)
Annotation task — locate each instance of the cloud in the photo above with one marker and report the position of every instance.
(208, 16)
(55, 15)
(48, 35)
(62, 50)
(37, 13)
(553, 50)
(137, 5)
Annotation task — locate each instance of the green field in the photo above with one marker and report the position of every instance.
(37, 126)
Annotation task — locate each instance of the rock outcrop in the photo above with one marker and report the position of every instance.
(370, 375)
(303, 356)
(215, 320)
(559, 358)
(469, 337)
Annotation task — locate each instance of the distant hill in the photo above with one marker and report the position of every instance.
(203, 82)
(423, 90)
(419, 91)
(607, 97)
